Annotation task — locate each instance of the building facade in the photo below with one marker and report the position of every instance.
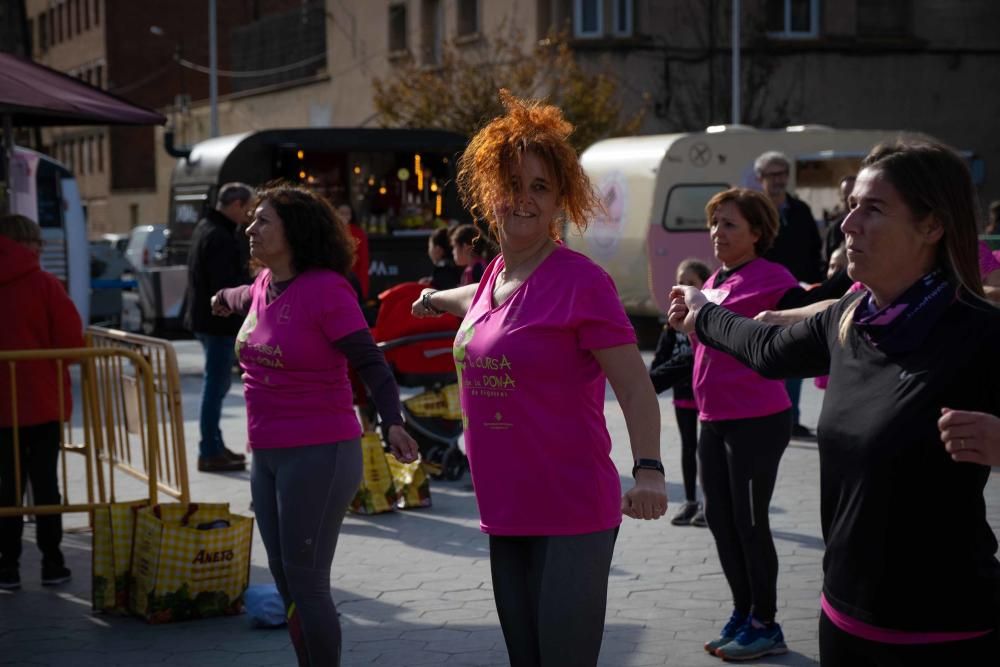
(156, 55)
(928, 66)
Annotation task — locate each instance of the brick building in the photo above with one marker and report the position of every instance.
(923, 65)
(156, 55)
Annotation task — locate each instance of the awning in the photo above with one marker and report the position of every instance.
(33, 95)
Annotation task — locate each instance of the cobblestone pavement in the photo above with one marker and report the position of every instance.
(413, 587)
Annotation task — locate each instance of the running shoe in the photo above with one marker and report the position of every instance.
(10, 579)
(754, 642)
(685, 514)
(699, 519)
(55, 575)
(729, 632)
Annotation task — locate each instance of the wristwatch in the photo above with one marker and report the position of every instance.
(648, 464)
(425, 301)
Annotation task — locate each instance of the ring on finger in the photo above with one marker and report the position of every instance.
(961, 444)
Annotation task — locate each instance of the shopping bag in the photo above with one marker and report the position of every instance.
(264, 606)
(377, 493)
(190, 560)
(413, 488)
(114, 528)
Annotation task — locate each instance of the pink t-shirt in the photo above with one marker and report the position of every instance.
(533, 399)
(724, 387)
(295, 381)
(988, 263)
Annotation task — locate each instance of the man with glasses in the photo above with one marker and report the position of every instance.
(798, 246)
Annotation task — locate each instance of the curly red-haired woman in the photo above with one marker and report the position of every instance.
(546, 322)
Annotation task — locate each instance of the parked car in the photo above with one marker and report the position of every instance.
(107, 264)
(145, 246)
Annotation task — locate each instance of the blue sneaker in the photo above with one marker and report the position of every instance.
(752, 643)
(733, 627)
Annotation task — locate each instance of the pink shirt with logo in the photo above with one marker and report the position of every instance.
(295, 381)
(532, 398)
(723, 387)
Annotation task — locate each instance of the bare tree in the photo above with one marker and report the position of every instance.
(460, 94)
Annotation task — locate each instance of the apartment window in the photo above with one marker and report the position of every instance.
(98, 76)
(100, 153)
(792, 19)
(97, 12)
(86, 14)
(51, 15)
(622, 16)
(468, 17)
(60, 17)
(90, 155)
(588, 18)
(133, 215)
(883, 18)
(76, 16)
(431, 31)
(43, 33)
(397, 28)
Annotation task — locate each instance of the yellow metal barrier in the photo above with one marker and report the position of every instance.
(168, 419)
(102, 409)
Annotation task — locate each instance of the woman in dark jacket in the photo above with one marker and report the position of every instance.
(907, 580)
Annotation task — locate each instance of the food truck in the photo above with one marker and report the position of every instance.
(654, 189)
(400, 184)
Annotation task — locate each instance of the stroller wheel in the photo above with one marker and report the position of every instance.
(436, 454)
(454, 464)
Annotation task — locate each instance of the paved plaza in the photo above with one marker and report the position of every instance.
(413, 588)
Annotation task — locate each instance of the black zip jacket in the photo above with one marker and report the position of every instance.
(673, 363)
(908, 546)
(215, 262)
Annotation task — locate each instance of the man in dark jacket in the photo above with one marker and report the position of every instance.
(798, 246)
(215, 261)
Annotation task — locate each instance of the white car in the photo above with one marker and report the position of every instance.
(146, 245)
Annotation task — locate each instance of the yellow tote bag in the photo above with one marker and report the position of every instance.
(413, 488)
(114, 528)
(378, 492)
(190, 560)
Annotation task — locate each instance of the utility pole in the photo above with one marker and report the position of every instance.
(736, 61)
(213, 75)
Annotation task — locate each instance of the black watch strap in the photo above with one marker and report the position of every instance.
(648, 464)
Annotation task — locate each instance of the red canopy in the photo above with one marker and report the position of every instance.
(33, 95)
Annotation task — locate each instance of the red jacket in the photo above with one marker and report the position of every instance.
(37, 314)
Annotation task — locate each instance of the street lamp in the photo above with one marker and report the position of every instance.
(213, 74)
(213, 66)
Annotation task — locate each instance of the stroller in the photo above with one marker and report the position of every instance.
(419, 351)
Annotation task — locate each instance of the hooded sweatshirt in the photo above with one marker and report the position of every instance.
(39, 315)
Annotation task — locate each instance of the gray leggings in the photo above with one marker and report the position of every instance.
(300, 495)
(551, 595)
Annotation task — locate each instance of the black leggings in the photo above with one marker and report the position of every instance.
(300, 495)
(551, 595)
(687, 426)
(840, 649)
(739, 465)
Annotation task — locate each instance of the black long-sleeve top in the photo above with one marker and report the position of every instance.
(908, 546)
(673, 363)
